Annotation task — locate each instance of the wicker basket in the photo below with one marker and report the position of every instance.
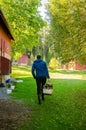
(48, 89)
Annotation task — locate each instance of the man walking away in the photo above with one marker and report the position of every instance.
(40, 74)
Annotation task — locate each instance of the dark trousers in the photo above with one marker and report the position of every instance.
(40, 82)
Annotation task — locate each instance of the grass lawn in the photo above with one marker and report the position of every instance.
(65, 109)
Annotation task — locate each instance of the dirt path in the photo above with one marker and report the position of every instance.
(12, 114)
(67, 76)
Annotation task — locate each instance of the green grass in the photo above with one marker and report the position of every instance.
(68, 71)
(65, 109)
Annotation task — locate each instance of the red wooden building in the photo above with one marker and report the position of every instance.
(74, 66)
(5, 47)
(24, 60)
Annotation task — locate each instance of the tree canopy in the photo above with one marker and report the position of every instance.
(25, 22)
(68, 29)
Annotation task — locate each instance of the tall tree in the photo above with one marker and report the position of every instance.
(25, 22)
(68, 29)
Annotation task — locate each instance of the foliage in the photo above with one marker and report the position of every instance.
(44, 46)
(53, 63)
(17, 55)
(68, 33)
(25, 21)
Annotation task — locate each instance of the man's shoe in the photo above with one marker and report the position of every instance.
(43, 97)
(39, 100)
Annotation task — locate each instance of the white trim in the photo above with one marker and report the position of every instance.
(5, 55)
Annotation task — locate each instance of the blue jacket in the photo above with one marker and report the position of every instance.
(39, 69)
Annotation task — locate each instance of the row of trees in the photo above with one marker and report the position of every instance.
(64, 35)
(68, 29)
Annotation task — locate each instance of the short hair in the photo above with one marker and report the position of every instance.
(38, 56)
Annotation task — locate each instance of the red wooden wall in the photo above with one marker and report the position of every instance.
(5, 49)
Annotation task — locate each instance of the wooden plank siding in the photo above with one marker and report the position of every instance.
(5, 46)
(5, 66)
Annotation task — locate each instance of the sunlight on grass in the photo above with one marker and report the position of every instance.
(21, 76)
(67, 76)
(21, 71)
(24, 71)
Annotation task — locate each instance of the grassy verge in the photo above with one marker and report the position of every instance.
(68, 71)
(65, 109)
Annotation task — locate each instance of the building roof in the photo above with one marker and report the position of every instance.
(6, 26)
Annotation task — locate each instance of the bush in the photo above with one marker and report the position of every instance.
(53, 63)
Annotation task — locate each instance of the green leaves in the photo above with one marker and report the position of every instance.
(25, 22)
(68, 29)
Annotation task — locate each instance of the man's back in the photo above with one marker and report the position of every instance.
(41, 68)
